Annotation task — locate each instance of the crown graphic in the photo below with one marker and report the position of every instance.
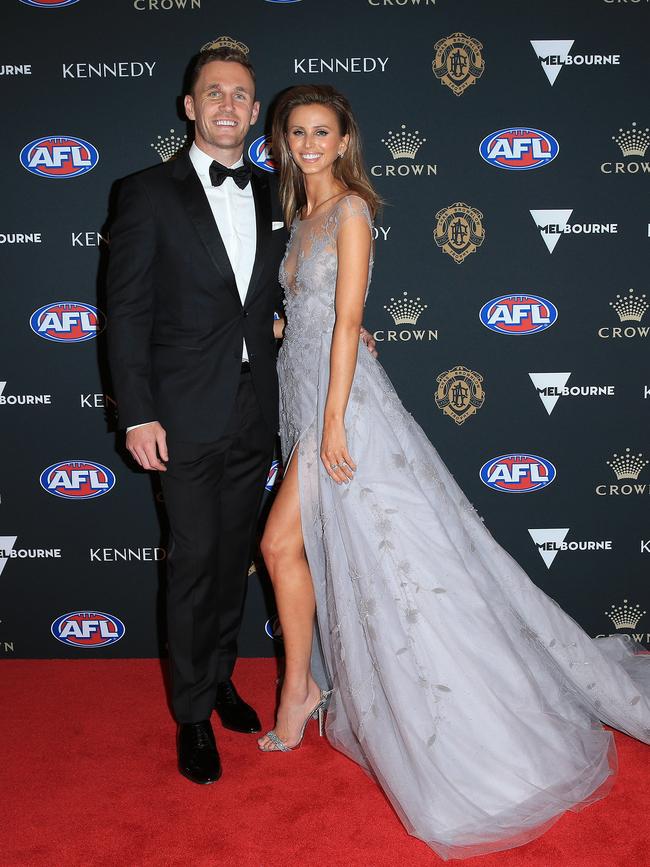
(631, 307)
(405, 311)
(403, 145)
(625, 616)
(168, 146)
(226, 42)
(633, 142)
(628, 466)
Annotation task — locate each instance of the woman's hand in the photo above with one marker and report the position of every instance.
(334, 453)
(369, 342)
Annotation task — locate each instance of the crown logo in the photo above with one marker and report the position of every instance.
(631, 307)
(168, 146)
(226, 42)
(628, 466)
(625, 616)
(633, 142)
(403, 145)
(405, 311)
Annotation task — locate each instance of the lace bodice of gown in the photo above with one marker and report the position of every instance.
(309, 269)
(308, 276)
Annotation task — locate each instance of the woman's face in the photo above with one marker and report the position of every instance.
(314, 138)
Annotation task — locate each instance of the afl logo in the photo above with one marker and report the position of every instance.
(77, 480)
(67, 322)
(49, 4)
(59, 157)
(272, 477)
(273, 629)
(260, 154)
(518, 314)
(88, 629)
(519, 149)
(517, 473)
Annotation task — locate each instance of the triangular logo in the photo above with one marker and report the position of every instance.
(551, 225)
(546, 542)
(6, 547)
(549, 386)
(552, 54)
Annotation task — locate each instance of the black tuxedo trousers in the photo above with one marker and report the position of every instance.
(212, 494)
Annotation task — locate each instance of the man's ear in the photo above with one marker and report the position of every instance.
(188, 102)
(255, 113)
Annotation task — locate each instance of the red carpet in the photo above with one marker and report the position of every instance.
(89, 779)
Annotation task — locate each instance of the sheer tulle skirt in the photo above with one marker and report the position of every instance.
(462, 688)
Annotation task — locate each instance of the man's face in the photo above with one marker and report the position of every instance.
(223, 108)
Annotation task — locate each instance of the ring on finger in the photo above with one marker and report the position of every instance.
(334, 466)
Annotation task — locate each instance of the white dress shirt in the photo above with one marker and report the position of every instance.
(234, 213)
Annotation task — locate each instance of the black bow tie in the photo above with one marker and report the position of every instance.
(218, 174)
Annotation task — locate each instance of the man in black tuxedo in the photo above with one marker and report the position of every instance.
(192, 290)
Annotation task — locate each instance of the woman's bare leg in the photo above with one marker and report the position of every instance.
(284, 555)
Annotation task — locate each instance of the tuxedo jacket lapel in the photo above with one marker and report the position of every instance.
(262, 198)
(197, 207)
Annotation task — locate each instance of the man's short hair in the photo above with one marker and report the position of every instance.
(208, 55)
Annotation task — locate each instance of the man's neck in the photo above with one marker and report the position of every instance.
(226, 157)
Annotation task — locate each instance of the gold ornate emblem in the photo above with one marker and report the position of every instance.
(460, 393)
(458, 61)
(226, 42)
(459, 230)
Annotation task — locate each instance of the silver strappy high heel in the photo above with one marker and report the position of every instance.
(317, 712)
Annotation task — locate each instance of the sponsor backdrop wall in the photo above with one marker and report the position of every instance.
(509, 301)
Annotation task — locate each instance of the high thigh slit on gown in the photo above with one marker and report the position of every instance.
(466, 692)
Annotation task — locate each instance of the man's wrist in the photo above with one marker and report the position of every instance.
(143, 424)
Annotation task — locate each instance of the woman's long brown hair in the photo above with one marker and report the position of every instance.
(348, 169)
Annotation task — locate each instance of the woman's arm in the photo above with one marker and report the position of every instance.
(353, 249)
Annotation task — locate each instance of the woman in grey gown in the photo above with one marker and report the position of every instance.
(471, 697)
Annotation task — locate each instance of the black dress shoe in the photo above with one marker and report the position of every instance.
(198, 759)
(233, 711)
